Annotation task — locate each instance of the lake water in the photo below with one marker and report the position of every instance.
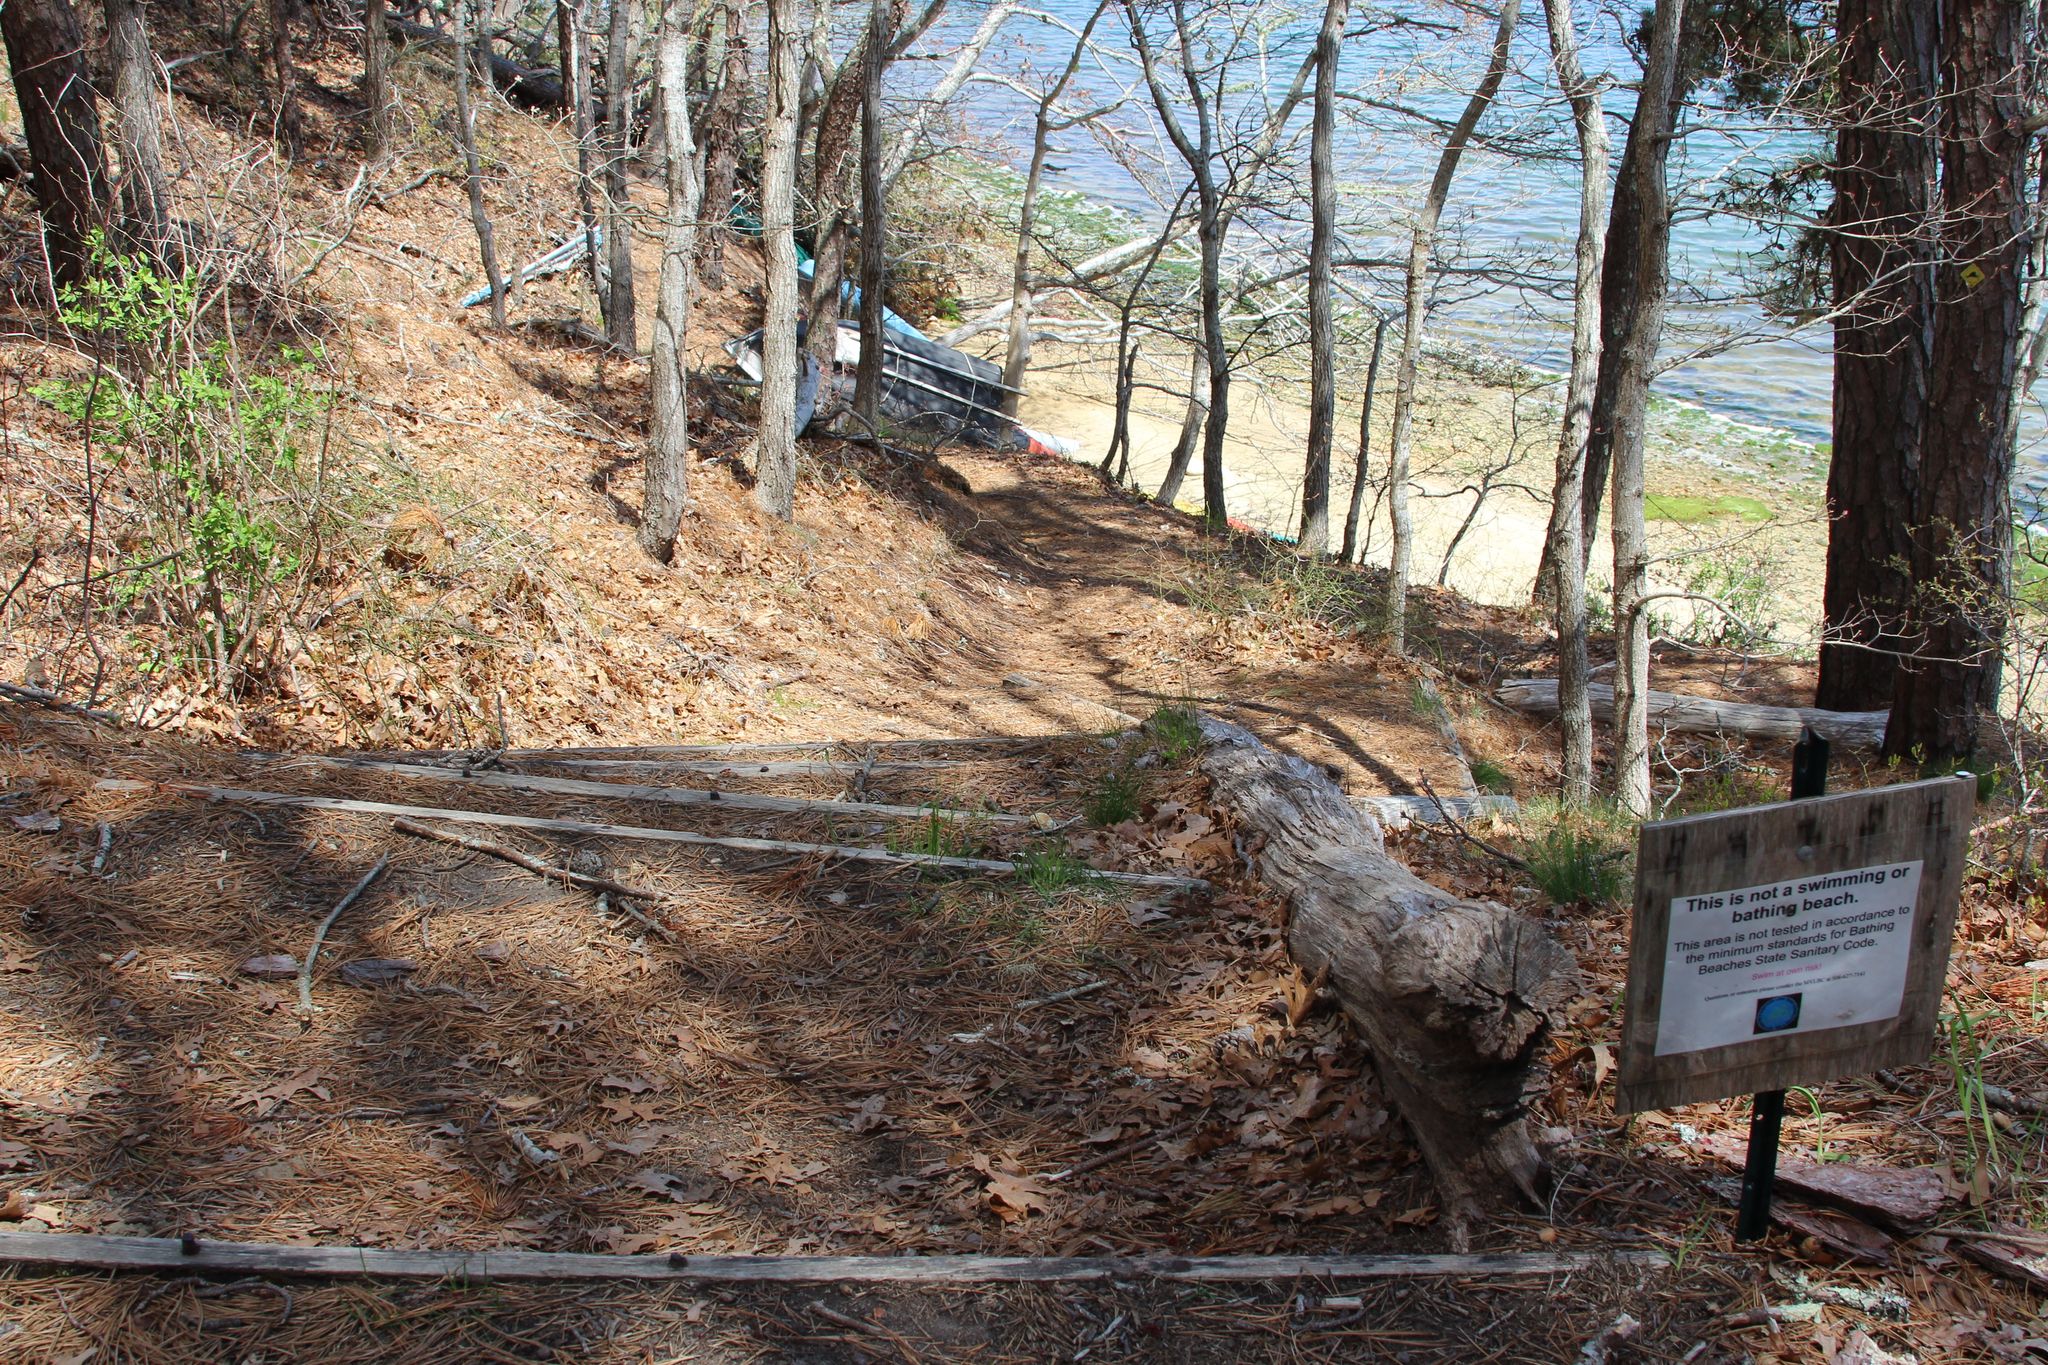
(1518, 210)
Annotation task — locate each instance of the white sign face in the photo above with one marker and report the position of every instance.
(1796, 956)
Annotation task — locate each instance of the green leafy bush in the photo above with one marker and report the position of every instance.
(210, 455)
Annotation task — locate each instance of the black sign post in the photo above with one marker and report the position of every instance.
(1767, 1107)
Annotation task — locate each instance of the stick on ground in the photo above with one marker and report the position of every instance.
(320, 934)
(544, 869)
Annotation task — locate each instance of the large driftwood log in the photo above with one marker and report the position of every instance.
(1703, 715)
(1454, 997)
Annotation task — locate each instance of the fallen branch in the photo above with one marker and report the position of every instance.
(1458, 828)
(667, 751)
(1703, 715)
(1397, 811)
(190, 1256)
(56, 703)
(1454, 997)
(678, 796)
(320, 934)
(544, 869)
(728, 768)
(851, 852)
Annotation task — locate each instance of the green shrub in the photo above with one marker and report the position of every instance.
(212, 454)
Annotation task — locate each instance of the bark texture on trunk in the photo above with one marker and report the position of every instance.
(722, 118)
(1362, 473)
(1637, 267)
(667, 482)
(45, 50)
(376, 77)
(1947, 688)
(1420, 245)
(1453, 997)
(576, 90)
(473, 166)
(874, 224)
(1322, 321)
(138, 130)
(1882, 265)
(1561, 579)
(775, 468)
(621, 316)
(1191, 421)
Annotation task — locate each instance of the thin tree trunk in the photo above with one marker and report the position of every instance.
(1947, 688)
(722, 143)
(473, 166)
(1563, 555)
(1883, 284)
(1191, 421)
(290, 121)
(576, 88)
(1361, 473)
(1631, 356)
(621, 317)
(874, 227)
(1017, 354)
(1421, 244)
(775, 469)
(667, 484)
(1322, 322)
(377, 78)
(1117, 459)
(138, 132)
(68, 170)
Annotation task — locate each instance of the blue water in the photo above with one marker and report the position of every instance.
(1518, 211)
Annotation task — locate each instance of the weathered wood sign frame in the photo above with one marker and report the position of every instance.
(1707, 855)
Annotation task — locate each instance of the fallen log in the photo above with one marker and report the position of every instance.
(528, 87)
(193, 1256)
(1704, 715)
(850, 852)
(627, 791)
(1453, 997)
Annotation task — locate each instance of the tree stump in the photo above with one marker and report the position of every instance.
(1453, 997)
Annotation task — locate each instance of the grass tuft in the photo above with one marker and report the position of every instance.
(1051, 870)
(1577, 855)
(1118, 797)
(1178, 734)
(1491, 778)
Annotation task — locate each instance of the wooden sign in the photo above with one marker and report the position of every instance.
(1790, 944)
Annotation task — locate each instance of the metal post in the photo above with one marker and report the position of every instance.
(1767, 1107)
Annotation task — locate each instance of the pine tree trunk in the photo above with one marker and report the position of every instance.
(1883, 284)
(874, 225)
(68, 170)
(377, 78)
(722, 143)
(1420, 245)
(1362, 472)
(1627, 364)
(775, 469)
(1322, 321)
(1563, 555)
(473, 168)
(138, 132)
(621, 317)
(1947, 689)
(667, 484)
